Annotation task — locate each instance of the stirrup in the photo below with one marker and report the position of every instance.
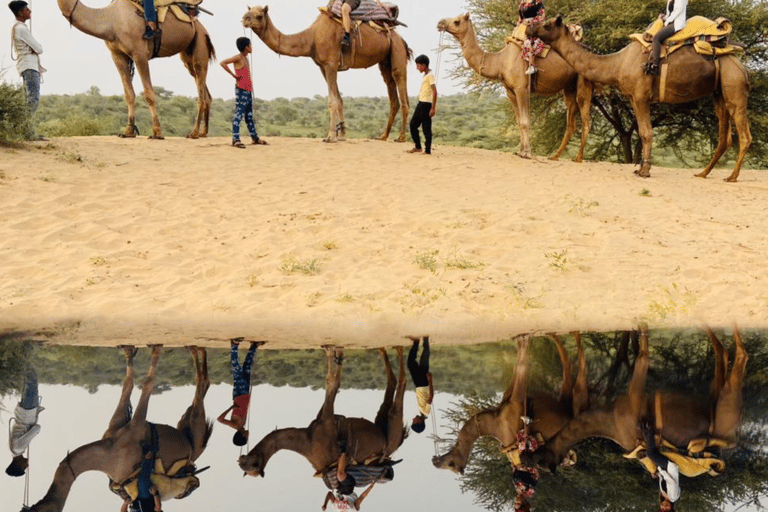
(531, 70)
(345, 41)
(652, 68)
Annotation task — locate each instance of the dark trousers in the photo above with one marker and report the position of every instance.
(661, 36)
(421, 118)
(419, 370)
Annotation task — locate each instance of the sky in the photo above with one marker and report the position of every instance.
(76, 61)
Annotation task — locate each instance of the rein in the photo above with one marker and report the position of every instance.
(69, 16)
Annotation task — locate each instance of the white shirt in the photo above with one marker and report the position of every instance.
(677, 15)
(27, 48)
(669, 479)
(25, 429)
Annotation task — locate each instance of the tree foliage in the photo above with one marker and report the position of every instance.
(687, 132)
(14, 114)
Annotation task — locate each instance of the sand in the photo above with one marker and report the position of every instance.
(106, 241)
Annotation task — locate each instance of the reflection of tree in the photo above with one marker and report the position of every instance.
(602, 478)
(14, 356)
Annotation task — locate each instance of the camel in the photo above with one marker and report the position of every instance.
(507, 66)
(322, 42)
(121, 26)
(689, 78)
(683, 417)
(119, 451)
(548, 414)
(319, 442)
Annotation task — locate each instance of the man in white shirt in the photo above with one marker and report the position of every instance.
(25, 426)
(28, 52)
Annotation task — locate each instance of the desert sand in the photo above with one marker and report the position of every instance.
(106, 241)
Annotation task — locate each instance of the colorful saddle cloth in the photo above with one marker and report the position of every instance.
(706, 36)
(184, 10)
(519, 36)
(369, 10)
(698, 458)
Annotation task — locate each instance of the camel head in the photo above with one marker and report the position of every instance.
(256, 18)
(252, 464)
(450, 460)
(548, 31)
(457, 26)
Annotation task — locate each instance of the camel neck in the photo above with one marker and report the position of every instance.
(291, 45)
(294, 439)
(602, 69)
(486, 64)
(94, 22)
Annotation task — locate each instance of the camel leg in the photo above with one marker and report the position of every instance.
(729, 403)
(724, 137)
(142, 67)
(122, 414)
(382, 417)
(140, 414)
(516, 391)
(193, 422)
(336, 129)
(570, 122)
(735, 93)
(567, 385)
(399, 58)
(721, 365)
(396, 432)
(123, 63)
(197, 65)
(520, 99)
(643, 115)
(580, 391)
(584, 91)
(394, 103)
(334, 356)
(636, 388)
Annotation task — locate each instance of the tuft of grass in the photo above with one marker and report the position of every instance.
(98, 261)
(252, 280)
(345, 298)
(580, 206)
(455, 260)
(667, 301)
(314, 299)
(47, 178)
(524, 301)
(330, 245)
(292, 265)
(426, 260)
(644, 193)
(559, 260)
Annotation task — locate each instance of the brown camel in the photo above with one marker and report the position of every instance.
(119, 451)
(121, 27)
(322, 42)
(508, 66)
(683, 417)
(319, 442)
(689, 78)
(548, 414)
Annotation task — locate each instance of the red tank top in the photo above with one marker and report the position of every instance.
(244, 78)
(241, 406)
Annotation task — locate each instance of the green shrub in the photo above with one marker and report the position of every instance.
(14, 115)
(71, 126)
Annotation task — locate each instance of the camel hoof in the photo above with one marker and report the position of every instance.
(643, 173)
(156, 137)
(193, 136)
(578, 160)
(400, 139)
(329, 140)
(730, 180)
(127, 135)
(527, 156)
(555, 158)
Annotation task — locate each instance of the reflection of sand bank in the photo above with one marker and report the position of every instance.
(300, 242)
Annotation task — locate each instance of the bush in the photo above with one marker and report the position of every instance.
(71, 126)
(14, 115)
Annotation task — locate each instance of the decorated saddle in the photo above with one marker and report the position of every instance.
(184, 10)
(178, 481)
(699, 457)
(384, 13)
(519, 36)
(708, 37)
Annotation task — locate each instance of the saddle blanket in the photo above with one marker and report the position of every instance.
(708, 37)
(369, 10)
(698, 458)
(519, 36)
(179, 8)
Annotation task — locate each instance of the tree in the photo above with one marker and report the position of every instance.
(688, 132)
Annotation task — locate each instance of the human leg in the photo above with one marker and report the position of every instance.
(416, 122)
(29, 397)
(424, 360)
(242, 98)
(661, 36)
(249, 120)
(240, 380)
(31, 79)
(426, 126)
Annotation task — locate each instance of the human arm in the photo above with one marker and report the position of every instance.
(226, 62)
(222, 418)
(23, 34)
(429, 374)
(432, 114)
(359, 501)
(678, 11)
(125, 506)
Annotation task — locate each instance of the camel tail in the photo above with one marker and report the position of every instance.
(208, 432)
(200, 30)
(408, 51)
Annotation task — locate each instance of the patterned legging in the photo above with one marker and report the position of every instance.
(243, 108)
(241, 375)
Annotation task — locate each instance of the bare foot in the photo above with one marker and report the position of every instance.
(414, 150)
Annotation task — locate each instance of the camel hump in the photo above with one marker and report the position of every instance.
(696, 27)
(369, 10)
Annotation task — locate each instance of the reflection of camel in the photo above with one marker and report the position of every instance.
(121, 26)
(507, 65)
(119, 452)
(319, 442)
(322, 42)
(684, 417)
(548, 414)
(690, 77)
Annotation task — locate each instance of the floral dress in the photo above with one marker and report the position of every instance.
(531, 11)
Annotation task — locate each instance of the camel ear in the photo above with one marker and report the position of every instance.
(266, 8)
(466, 16)
(559, 21)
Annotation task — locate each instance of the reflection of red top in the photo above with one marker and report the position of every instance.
(244, 78)
(241, 406)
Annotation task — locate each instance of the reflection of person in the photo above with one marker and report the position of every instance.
(28, 52)
(422, 381)
(674, 20)
(525, 477)
(531, 11)
(25, 426)
(345, 477)
(666, 471)
(425, 108)
(241, 391)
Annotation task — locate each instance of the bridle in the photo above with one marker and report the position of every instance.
(69, 16)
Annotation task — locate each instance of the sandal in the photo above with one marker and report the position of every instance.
(258, 141)
(238, 144)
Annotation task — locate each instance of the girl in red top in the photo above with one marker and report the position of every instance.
(243, 92)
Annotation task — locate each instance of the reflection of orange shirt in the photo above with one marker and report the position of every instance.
(241, 406)
(244, 78)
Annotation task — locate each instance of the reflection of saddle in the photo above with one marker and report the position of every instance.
(706, 36)
(701, 456)
(519, 36)
(178, 481)
(513, 453)
(184, 10)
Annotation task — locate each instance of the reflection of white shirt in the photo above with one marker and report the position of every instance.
(27, 48)
(669, 480)
(24, 430)
(677, 15)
